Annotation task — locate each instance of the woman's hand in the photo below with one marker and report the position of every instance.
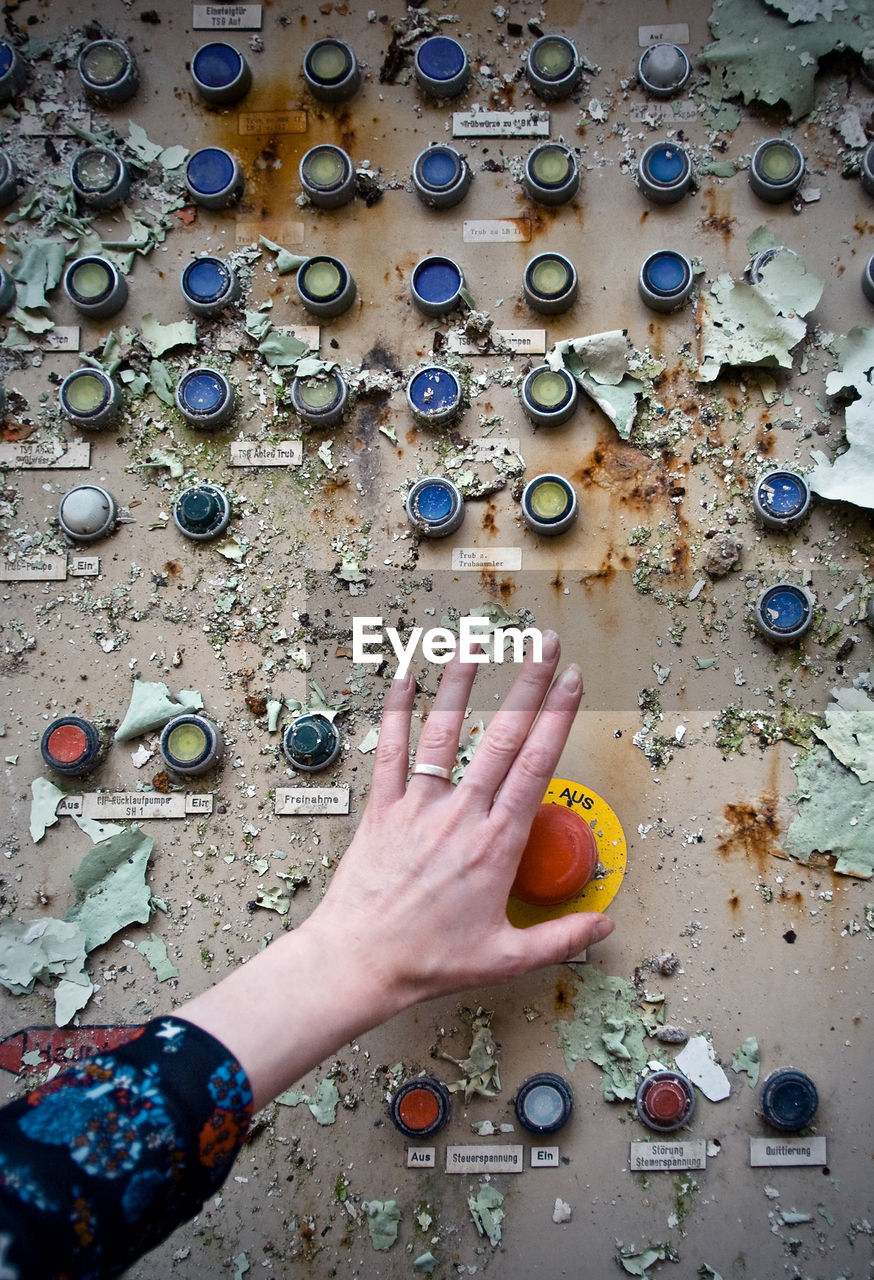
(417, 906)
(424, 883)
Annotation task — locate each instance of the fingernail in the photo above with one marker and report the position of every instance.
(405, 683)
(601, 929)
(550, 646)
(571, 680)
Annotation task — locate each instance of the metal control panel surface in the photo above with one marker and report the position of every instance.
(693, 724)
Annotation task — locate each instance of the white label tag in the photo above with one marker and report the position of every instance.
(487, 558)
(485, 1159)
(500, 124)
(252, 122)
(768, 1153)
(526, 341)
(69, 805)
(248, 453)
(64, 337)
(545, 1158)
(685, 1154)
(54, 123)
(421, 1157)
(488, 448)
(285, 233)
(496, 231)
(294, 800)
(46, 455)
(226, 17)
(666, 33)
(84, 566)
(198, 804)
(669, 112)
(133, 804)
(48, 569)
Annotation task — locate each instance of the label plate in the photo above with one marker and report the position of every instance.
(142, 804)
(500, 124)
(249, 453)
(64, 337)
(247, 231)
(487, 448)
(226, 17)
(496, 231)
(526, 341)
(46, 569)
(682, 1154)
(308, 800)
(45, 455)
(485, 1159)
(252, 122)
(545, 1158)
(487, 558)
(767, 1153)
(664, 33)
(84, 566)
(421, 1157)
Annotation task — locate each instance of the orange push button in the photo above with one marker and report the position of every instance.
(559, 859)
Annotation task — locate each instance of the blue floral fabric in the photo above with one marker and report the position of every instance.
(101, 1163)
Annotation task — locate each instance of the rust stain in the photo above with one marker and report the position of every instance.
(489, 521)
(564, 996)
(632, 475)
(15, 431)
(173, 569)
(539, 217)
(718, 220)
(752, 830)
(765, 441)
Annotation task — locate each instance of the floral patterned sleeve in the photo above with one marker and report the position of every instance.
(101, 1163)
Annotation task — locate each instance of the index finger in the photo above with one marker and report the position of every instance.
(393, 748)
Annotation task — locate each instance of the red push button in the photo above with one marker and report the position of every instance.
(559, 859)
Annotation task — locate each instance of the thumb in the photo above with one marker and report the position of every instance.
(557, 941)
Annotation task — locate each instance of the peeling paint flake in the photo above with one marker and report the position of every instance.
(849, 731)
(745, 324)
(111, 881)
(152, 705)
(850, 478)
(764, 55)
(698, 1063)
(608, 1029)
(487, 1213)
(602, 364)
(480, 1070)
(746, 1058)
(835, 815)
(383, 1219)
(636, 1263)
(322, 1103)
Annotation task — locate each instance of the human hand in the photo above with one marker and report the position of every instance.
(422, 889)
(417, 905)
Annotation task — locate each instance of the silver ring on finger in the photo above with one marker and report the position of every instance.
(432, 771)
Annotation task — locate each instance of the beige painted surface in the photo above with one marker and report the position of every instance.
(698, 855)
